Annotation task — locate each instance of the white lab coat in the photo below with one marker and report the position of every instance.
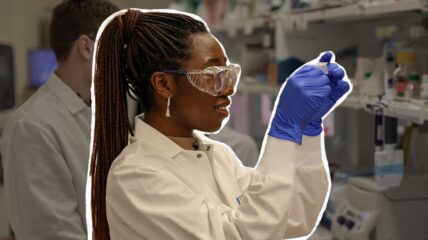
(45, 150)
(156, 190)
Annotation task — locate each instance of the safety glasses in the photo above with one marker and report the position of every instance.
(211, 80)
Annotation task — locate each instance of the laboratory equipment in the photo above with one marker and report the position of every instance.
(7, 80)
(388, 169)
(389, 53)
(368, 211)
(386, 205)
(378, 130)
(369, 76)
(405, 76)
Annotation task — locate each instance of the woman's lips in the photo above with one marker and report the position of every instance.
(223, 111)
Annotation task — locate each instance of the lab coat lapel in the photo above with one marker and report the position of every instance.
(157, 139)
(222, 173)
(64, 93)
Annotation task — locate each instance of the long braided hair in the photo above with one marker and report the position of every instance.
(130, 48)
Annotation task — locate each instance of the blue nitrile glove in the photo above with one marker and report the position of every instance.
(299, 100)
(338, 88)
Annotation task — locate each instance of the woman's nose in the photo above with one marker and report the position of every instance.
(229, 90)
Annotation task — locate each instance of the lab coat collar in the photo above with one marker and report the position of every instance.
(64, 93)
(152, 136)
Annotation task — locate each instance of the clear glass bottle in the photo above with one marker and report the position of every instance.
(405, 74)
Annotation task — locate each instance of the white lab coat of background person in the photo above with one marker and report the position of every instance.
(157, 190)
(243, 145)
(45, 151)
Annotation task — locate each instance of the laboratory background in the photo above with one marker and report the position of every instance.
(376, 141)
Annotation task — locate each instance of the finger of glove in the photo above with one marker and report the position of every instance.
(341, 88)
(326, 57)
(344, 85)
(335, 72)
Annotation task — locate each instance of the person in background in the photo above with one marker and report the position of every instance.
(242, 145)
(45, 143)
(168, 181)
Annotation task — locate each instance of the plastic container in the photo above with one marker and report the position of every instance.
(406, 77)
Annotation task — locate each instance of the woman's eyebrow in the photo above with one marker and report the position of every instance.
(215, 60)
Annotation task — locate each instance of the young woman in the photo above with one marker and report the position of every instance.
(168, 181)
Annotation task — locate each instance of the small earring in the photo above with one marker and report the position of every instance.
(167, 107)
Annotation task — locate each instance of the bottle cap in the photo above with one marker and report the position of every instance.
(414, 78)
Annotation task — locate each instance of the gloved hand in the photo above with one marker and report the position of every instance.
(339, 87)
(298, 102)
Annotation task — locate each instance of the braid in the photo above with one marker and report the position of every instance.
(131, 47)
(110, 128)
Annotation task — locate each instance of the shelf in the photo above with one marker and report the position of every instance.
(359, 11)
(299, 20)
(415, 110)
(344, 12)
(381, 8)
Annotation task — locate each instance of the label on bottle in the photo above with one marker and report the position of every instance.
(400, 86)
(389, 168)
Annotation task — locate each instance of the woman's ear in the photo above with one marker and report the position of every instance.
(164, 84)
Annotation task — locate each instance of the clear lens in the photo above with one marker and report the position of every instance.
(203, 81)
(216, 79)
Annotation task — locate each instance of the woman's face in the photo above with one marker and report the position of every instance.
(193, 108)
